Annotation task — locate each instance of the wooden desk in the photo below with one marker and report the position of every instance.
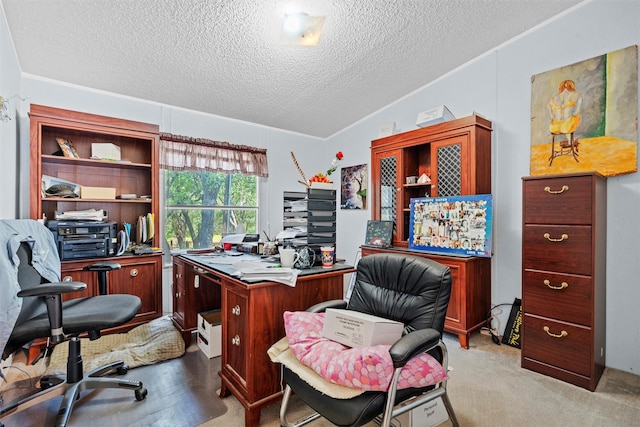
(252, 320)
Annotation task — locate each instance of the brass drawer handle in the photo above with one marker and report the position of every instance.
(235, 310)
(133, 272)
(560, 335)
(563, 237)
(67, 279)
(562, 190)
(562, 285)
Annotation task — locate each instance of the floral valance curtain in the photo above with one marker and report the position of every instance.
(183, 153)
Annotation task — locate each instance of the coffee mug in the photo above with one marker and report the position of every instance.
(327, 256)
(288, 257)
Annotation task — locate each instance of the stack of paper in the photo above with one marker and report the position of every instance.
(256, 271)
(86, 215)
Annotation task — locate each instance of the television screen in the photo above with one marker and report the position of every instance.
(452, 225)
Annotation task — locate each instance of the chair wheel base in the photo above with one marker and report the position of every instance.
(140, 394)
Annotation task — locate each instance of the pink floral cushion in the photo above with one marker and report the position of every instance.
(367, 368)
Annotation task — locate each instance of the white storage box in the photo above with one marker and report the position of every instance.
(105, 151)
(357, 329)
(430, 414)
(433, 116)
(210, 333)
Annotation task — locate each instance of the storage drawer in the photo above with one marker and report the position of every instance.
(560, 296)
(564, 200)
(321, 205)
(560, 344)
(317, 193)
(565, 249)
(321, 216)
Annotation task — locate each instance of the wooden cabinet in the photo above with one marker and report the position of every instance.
(456, 155)
(136, 173)
(470, 299)
(140, 275)
(563, 277)
(194, 290)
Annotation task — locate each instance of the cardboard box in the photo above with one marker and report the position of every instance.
(102, 193)
(105, 151)
(357, 329)
(430, 414)
(210, 333)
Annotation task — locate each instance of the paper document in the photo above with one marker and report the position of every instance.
(86, 215)
(256, 271)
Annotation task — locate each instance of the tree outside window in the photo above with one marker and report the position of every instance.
(202, 207)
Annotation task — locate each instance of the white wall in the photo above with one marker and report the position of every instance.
(496, 85)
(9, 88)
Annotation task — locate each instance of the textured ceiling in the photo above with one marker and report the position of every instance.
(223, 56)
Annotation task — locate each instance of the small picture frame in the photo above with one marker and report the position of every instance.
(67, 148)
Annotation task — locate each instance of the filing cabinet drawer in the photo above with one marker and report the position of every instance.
(556, 343)
(566, 249)
(565, 297)
(566, 200)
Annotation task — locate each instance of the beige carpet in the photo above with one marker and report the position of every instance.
(489, 388)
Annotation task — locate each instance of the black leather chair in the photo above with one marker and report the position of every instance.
(44, 314)
(408, 289)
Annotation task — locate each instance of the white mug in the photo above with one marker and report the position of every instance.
(288, 257)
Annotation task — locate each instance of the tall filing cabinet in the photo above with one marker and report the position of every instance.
(563, 278)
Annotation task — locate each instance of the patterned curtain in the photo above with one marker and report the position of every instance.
(183, 153)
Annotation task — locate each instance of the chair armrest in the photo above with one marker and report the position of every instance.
(53, 293)
(412, 344)
(322, 306)
(55, 288)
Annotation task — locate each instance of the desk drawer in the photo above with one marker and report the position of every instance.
(565, 297)
(556, 343)
(565, 200)
(561, 248)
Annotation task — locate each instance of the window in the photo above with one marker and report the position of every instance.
(202, 207)
(210, 189)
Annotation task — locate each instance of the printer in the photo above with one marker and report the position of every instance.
(84, 239)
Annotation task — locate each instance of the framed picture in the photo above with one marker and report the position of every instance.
(353, 187)
(67, 148)
(378, 233)
(584, 116)
(452, 225)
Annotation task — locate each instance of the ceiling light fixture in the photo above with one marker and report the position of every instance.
(300, 29)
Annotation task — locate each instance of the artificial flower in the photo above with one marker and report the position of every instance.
(319, 177)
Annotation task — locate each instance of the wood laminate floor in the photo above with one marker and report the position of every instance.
(178, 397)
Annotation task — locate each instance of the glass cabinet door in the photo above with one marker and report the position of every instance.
(387, 167)
(447, 170)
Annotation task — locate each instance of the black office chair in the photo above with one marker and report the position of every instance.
(43, 314)
(408, 289)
